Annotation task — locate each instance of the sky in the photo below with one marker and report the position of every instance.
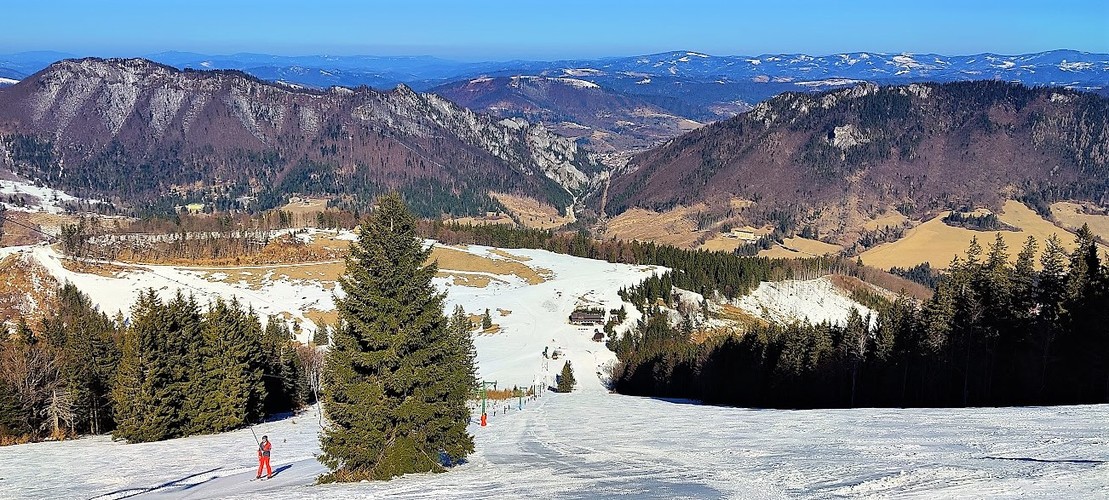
(473, 30)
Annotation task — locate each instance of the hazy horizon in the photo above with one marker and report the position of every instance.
(498, 30)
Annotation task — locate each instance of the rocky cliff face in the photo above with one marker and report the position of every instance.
(917, 147)
(136, 130)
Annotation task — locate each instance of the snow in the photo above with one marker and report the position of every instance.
(829, 82)
(581, 84)
(583, 72)
(594, 444)
(1075, 66)
(118, 294)
(46, 199)
(644, 81)
(538, 317)
(8, 81)
(590, 444)
(814, 301)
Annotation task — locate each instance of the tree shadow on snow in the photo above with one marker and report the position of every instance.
(680, 401)
(1077, 461)
(130, 492)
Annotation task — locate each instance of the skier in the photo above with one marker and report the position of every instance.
(264, 448)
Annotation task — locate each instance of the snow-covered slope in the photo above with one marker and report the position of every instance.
(35, 198)
(812, 301)
(597, 445)
(532, 317)
(590, 443)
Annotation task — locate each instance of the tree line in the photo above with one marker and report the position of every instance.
(170, 370)
(994, 333)
(706, 272)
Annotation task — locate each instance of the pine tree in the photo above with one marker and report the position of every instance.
(1051, 294)
(460, 326)
(229, 392)
(566, 380)
(395, 381)
(486, 320)
(140, 393)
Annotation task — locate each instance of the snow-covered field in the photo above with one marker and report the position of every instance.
(813, 301)
(592, 444)
(42, 199)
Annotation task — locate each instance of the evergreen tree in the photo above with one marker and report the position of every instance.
(229, 391)
(566, 380)
(88, 345)
(283, 382)
(395, 380)
(460, 326)
(146, 408)
(486, 320)
(1050, 295)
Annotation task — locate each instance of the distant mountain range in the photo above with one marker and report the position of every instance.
(607, 121)
(148, 135)
(688, 84)
(145, 133)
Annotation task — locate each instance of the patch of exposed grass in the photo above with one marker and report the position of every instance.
(531, 213)
(509, 256)
(937, 243)
(450, 259)
(321, 318)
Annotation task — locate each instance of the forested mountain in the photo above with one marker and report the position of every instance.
(606, 120)
(917, 147)
(141, 133)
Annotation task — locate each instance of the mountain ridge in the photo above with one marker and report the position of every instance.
(820, 158)
(221, 135)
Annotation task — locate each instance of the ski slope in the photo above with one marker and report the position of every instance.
(590, 443)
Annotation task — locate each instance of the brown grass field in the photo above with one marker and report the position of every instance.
(938, 243)
(305, 206)
(532, 213)
(321, 318)
(891, 218)
(17, 234)
(1071, 216)
(450, 259)
(721, 243)
(467, 279)
(510, 256)
(26, 290)
(673, 227)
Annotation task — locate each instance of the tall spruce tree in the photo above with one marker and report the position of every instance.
(229, 392)
(462, 328)
(146, 406)
(395, 379)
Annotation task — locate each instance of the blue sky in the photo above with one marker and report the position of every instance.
(532, 29)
